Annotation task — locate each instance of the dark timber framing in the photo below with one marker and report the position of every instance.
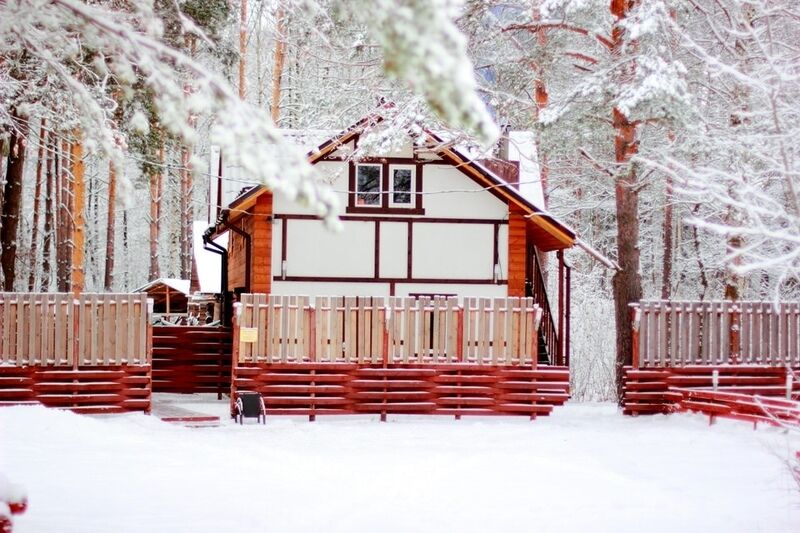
(377, 278)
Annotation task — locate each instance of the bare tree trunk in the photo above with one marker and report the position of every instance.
(666, 268)
(156, 184)
(78, 273)
(12, 199)
(733, 280)
(186, 207)
(127, 280)
(37, 194)
(242, 49)
(108, 277)
(185, 215)
(280, 55)
(627, 283)
(65, 221)
(48, 213)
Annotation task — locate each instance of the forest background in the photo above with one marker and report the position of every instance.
(666, 131)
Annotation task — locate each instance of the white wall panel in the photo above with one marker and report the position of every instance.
(312, 250)
(502, 250)
(277, 244)
(394, 249)
(480, 204)
(314, 288)
(452, 251)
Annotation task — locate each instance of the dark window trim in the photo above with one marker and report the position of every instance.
(385, 208)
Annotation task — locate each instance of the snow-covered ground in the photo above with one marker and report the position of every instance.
(584, 469)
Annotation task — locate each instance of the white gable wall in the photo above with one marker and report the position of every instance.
(440, 180)
(446, 257)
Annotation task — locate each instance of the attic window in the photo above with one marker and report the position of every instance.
(402, 185)
(389, 185)
(368, 185)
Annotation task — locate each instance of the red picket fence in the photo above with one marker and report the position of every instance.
(678, 333)
(89, 353)
(396, 355)
(735, 347)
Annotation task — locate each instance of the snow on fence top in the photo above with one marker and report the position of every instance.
(677, 333)
(56, 329)
(393, 330)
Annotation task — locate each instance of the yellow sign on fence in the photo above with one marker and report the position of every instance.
(248, 334)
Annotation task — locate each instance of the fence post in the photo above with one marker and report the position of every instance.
(734, 335)
(148, 315)
(636, 313)
(237, 311)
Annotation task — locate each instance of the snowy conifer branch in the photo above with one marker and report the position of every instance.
(423, 48)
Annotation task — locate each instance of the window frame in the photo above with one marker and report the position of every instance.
(380, 192)
(412, 203)
(386, 206)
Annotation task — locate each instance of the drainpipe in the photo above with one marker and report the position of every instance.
(213, 247)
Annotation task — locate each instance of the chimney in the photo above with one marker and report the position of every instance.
(502, 144)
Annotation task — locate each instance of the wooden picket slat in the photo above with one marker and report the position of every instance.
(64, 331)
(678, 333)
(373, 330)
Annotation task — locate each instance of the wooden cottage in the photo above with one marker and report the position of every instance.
(426, 220)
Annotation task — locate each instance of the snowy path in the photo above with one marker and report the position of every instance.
(585, 469)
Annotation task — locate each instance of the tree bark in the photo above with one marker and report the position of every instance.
(627, 282)
(242, 49)
(541, 100)
(186, 216)
(79, 214)
(127, 280)
(280, 55)
(666, 268)
(48, 213)
(12, 199)
(186, 206)
(65, 222)
(37, 195)
(156, 183)
(108, 277)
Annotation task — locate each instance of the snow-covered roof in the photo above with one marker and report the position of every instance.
(208, 264)
(549, 233)
(180, 285)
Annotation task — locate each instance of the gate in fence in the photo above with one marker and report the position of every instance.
(191, 359)
(89, 353)
(336, 355)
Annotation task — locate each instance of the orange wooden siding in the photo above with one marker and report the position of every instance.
(261, 272)
(258, 224)
(236, 254)
(517, 244)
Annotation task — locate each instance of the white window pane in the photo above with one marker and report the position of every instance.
(401, 186)
(368, 185)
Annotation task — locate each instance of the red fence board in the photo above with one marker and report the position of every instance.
(650, 391)
(191, 359)
(95, 389)
(446, 389)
